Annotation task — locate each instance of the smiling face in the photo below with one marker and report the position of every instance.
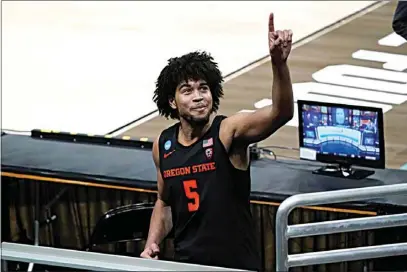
(193, 101)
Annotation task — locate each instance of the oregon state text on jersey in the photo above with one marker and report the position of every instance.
(210, 201)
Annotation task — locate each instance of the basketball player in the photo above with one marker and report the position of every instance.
(203, 167)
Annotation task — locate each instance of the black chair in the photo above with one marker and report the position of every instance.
(122, 224)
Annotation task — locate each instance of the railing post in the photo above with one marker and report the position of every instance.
(281, 234)
(284, 261)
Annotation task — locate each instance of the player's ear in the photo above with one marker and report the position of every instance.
(172, 103)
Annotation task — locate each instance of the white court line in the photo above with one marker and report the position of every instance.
(135, 124)
(15, 132)
(263, 60)
(310, 38)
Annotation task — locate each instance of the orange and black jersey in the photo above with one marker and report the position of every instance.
(210, 201)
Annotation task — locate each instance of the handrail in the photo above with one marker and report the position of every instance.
(347, 225)
(348, 254)
(92, 260)
(285, 232)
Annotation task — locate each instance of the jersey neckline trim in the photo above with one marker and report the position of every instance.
(177, 128)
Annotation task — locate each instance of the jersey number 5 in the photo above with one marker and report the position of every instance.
(192, 195)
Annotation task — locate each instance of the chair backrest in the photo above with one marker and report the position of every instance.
(125, 223)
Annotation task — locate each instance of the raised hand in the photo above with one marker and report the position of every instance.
(279, 42)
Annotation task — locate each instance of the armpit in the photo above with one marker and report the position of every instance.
(239, 157)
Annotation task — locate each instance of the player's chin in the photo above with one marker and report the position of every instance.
(200, 118)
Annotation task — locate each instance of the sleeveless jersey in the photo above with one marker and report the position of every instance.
(210, 201)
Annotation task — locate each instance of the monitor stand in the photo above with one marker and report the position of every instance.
(343, 171)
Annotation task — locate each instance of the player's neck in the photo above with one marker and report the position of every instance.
(189, 133)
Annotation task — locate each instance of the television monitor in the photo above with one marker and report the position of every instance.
(342, 136)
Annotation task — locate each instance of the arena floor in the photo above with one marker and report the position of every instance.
(90, 67)
(334, 47)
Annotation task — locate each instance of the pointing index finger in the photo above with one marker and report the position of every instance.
(271, 22)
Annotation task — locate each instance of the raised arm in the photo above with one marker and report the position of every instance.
(161, 219)
(253, 127)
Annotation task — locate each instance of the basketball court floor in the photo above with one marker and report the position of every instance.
(364, 44)
(344, 52)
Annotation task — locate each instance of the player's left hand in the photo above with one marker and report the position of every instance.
(279, 42)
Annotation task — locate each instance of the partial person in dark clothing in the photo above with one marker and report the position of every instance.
(400, 19)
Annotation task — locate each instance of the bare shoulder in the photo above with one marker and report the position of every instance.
(228, 129)
(156, 151)
(237, 150)
(160, 181)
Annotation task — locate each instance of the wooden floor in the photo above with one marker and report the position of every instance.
(334, 47)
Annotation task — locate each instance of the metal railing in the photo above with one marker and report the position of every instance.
(91, 260)
(284, 232)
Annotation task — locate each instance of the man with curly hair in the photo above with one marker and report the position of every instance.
(203, 166)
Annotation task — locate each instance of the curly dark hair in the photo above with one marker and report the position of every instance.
(195, 66)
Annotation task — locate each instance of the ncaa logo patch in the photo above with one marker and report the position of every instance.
(167, 145)
(209, 153)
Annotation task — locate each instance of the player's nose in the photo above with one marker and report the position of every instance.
(197, 97)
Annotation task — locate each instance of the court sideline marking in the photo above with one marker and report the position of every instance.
(262, 61)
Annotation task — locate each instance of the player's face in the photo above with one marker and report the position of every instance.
(193, 100)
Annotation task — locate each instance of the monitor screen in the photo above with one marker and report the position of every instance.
(335, 132)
